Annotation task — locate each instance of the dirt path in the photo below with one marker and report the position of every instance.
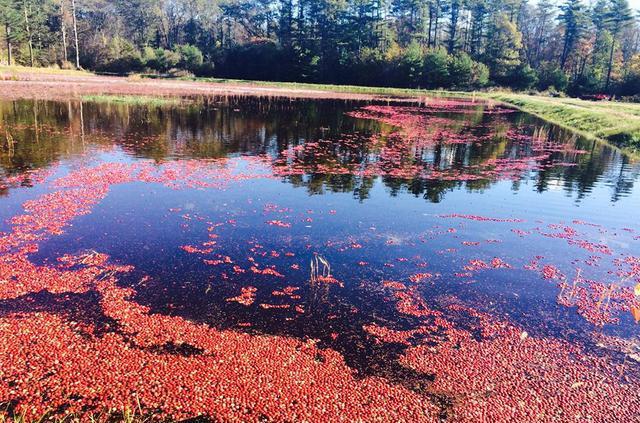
(65, 87)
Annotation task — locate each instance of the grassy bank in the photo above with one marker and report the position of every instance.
(25, 70)
(352, 89)
(614, 122)
(133, 100)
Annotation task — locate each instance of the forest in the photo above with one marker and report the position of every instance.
(590, 50)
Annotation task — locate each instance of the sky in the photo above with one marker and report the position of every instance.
(634, 4)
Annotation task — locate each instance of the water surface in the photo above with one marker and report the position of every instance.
(465, 202)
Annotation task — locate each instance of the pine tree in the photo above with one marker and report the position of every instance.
(11, 21)
(504, 42)
(573, 21)
(618, 17)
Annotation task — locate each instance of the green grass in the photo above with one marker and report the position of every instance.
(352, 89)
(134, 100)
(21, 70)
(126, 415)
(614, 122)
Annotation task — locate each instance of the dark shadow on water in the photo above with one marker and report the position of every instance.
(81, 308)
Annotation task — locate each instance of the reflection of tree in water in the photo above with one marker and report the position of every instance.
(318, 184)
(584, 171)
(625, 179)
(35, 134)
(601, 163)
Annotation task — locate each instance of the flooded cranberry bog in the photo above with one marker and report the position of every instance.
(260, 259)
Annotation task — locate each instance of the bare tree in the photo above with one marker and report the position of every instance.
(75, 32)
(63, 30)
(28, 29)
(7, 29)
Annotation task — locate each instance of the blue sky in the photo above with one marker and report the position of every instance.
(634, 4)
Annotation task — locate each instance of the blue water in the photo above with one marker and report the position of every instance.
(369, 228)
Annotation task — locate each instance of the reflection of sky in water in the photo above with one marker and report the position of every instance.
(397, 227)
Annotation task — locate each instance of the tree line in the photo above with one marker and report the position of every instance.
(565, 46)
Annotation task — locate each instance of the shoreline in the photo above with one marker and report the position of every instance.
(616, 124)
